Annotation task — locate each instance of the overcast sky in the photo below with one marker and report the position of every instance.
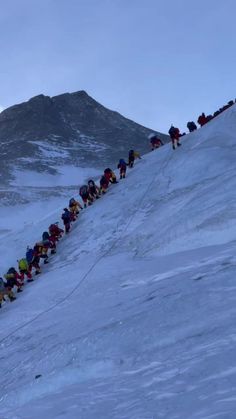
(156, 62)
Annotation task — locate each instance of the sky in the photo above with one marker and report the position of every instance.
(134, 316)
(156, 62)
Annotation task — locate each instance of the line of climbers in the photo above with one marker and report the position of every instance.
(203, 119)
(174, 132)
(14, 278)
(88, 193)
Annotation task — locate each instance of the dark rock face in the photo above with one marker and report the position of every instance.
(69, 129)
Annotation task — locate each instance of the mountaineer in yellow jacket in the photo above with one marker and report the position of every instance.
(132, 156)
(24, 270)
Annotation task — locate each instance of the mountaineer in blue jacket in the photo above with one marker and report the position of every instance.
(122, 165)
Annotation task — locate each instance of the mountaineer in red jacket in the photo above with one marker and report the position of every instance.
(202, 120)
(110, 175)
(155, 142)
(55, 231)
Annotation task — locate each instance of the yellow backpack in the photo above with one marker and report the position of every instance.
(22, 263)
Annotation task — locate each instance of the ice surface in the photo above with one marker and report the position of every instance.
(134, 317)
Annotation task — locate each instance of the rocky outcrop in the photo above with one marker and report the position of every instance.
(70, 129)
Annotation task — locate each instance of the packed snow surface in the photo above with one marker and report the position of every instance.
(134, 317)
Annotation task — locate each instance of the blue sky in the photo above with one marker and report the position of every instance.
(156, 62)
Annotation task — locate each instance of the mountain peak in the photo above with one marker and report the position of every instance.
(78, 128)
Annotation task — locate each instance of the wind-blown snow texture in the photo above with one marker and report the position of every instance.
(135, 315)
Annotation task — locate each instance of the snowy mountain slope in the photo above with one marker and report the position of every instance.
(134, 316)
